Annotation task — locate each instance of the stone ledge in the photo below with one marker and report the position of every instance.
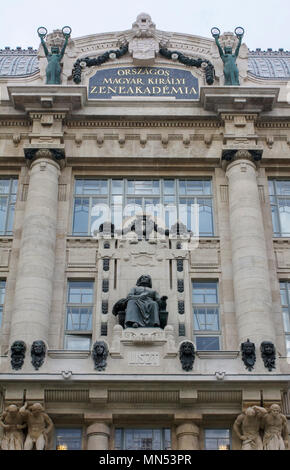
(61, 354)
(218, 354)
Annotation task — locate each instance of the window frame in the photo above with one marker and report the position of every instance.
(207, 333)
(59, 427)
(276, 214)
(2, 305)
(284, 307)
(142, 428)
(78, 333)
(125, 196)
(218, 429)
(12, 180)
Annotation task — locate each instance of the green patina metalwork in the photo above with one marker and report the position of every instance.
(53, 69)
(231, 71)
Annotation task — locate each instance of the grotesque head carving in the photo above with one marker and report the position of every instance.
(143, 26)
(144, 280)
(268, 355)
(100, 353)
(248, 355)
(187, 355)
(18, 350)
(38, 351)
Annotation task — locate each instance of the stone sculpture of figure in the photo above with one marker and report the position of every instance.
(38, 351)
(39, 427)
(100, 354)
(247, 426)
(249, 355)
(231, 71)
(12, 423)
(187, 355)
(18, 350)
(275, 429)
(268, 352)
(143, 305)
(53, 69)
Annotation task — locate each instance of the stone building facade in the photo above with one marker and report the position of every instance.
(145, 129)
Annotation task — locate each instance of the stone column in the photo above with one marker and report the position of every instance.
(187, 436)
(98, 436)
(33, 290)
(253, 302)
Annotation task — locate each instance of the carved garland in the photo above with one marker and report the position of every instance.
(116, 54)
(77, 69)
(175, 55)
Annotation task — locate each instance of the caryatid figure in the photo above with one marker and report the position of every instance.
(247, 426)
(275, 429)
(12, 423)
(39, 427)
(231, 71)
(53, 69)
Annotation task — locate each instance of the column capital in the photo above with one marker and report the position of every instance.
(234, 155)
(56, 154)
(187, 428)
(98, 428)
(231, 155)
(31, 153)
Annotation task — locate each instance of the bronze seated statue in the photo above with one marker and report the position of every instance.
(143, 308)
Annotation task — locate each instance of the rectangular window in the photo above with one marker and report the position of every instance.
(8, 194)
(285, 302)
(68, 439)
(187, 201)
(217, 439)
(142, 439)
(79, 313)
(280, 206)
(206, 321)
(2, 299)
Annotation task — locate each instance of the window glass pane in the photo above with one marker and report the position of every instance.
(2, 298)
(3, 213)
(142, 439)
(81, 216)
(286, 318)
(10, 217)
(79, 318)
(275, 220)
(143, 187)
(206, 319)
(207, 343)
(205, 217)
(205, 292)
(4, 186)
(169, 187)
(68, 439)
(118, 439)
(77, 342)
(80, 292)
(217, 439)
(283, 188)
(288, 345)
(117, 186)
(284, 212)
(271, 187)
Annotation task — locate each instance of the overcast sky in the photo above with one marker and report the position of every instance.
(266, 21)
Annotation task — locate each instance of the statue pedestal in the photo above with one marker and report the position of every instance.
(143, 344)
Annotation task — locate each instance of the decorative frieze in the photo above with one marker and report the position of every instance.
(150, 396)
(146, 124)
(66, 395)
